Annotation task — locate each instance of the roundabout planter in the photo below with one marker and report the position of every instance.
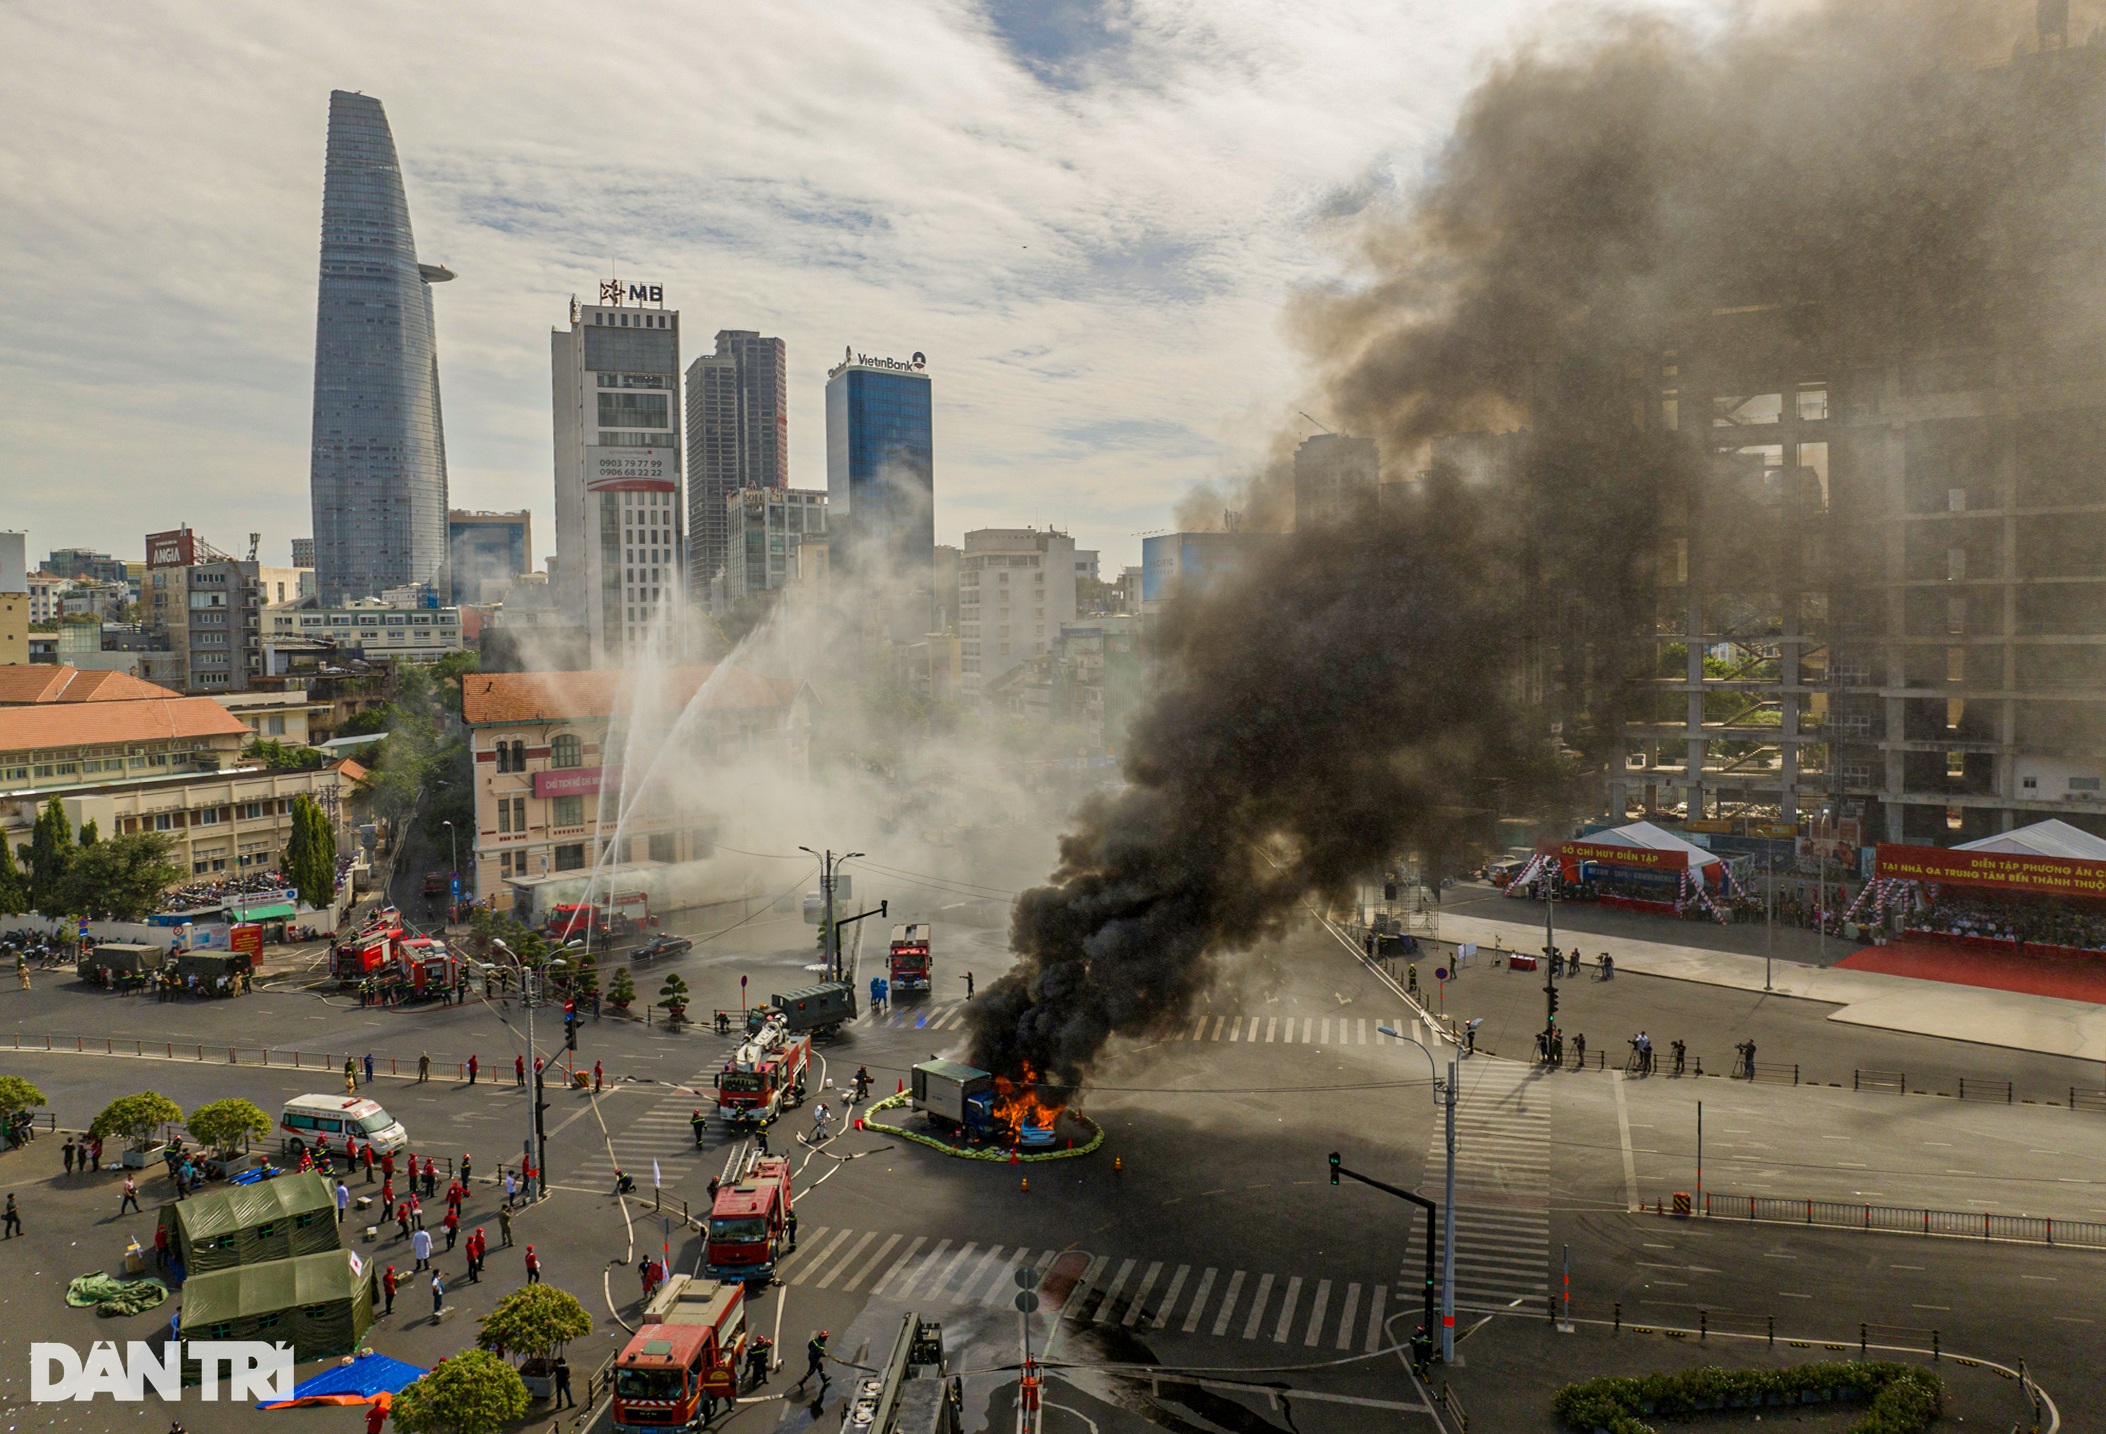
(1004, 1155)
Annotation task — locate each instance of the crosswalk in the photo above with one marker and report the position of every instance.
(1226, 1029)
(662, 1133)
(1306, 1310)
(1502, 1186)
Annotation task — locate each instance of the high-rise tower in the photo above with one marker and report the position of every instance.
(377, 473)
(619, 544)
(738, 436)
(880, 487)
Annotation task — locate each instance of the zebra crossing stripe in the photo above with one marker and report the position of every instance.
(1294, 1293)
(1346, 1312)
(943, 1281)
(1091, 1273)
(809, 1266)
(905, 1288)
(1374, 1319)
(976, 1277)
(900, 1264)
(1140, 1296)
(875, 1260)
(1199, 1300)
(1111, 1293)
(1317, 1307)
(1228, 1304)
(848, 1259)
(1177, 1283)
(1271, 1024)
(1257, 1306)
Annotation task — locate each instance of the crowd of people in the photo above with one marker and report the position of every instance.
(2023, 920)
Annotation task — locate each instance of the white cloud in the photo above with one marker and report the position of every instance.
(1091, 238)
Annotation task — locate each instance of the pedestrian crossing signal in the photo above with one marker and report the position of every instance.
(1334, 1167)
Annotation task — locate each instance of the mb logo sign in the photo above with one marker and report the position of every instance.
(253, 1371)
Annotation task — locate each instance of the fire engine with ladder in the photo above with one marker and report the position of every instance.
(765, 1076)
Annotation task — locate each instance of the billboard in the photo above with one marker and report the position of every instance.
(1994, 870)
(171, 550)
(615, 469)
(575, 781)
(1643, 858)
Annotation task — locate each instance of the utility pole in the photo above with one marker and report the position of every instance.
(1549, 878)
(1443, 1097)
(828, 866)
(1769, 913)
(1448, 1233)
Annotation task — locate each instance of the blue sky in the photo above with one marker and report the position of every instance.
(1088, 214)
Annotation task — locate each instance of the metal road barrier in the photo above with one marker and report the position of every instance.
(1900, 1220)
(1894, 1082)
(1986, 1090)
(2093, 1100)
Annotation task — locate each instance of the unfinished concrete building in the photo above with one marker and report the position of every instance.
(1885, 601)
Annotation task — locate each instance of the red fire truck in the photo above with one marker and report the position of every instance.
(371, 949)
(683, 1358)
(615, 917)
(765, 1076)
(750, 1225)
(910, 958)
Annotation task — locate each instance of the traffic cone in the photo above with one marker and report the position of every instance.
(1118, 1164)
(1012, 1155)
(1025, 1186)
(859, 1122)
(902, 1087)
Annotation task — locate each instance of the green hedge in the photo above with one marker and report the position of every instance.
(997, 1156)
(1905, 1399)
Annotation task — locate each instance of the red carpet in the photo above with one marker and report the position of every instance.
(2071, 977)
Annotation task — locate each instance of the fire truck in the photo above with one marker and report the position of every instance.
(615, 917)
(371, 948)
(684, 1357)
(750, 1225)
(765, 1076)
(909, 969)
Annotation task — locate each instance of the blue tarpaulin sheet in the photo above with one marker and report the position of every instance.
(357, 1381)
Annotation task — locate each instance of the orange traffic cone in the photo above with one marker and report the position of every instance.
(902, 1087)
(1025, 1186)
(1118, 1164)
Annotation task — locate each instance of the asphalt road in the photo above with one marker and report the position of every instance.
(1224, 1283)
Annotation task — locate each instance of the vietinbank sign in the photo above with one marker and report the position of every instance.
(252, 1370)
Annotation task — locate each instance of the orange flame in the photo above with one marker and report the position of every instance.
(1019, 1101)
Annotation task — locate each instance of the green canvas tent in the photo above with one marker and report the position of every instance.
(314, 1302)
(122, 958)
(293, 1214)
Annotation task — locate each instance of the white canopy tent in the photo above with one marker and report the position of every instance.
(2048, 838)
(1644, 836)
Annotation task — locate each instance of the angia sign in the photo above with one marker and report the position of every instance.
(254, 1371)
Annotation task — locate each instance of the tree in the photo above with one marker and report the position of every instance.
(534, 1323)
(14, 894)
(136, 1118)
(310, 853)
(90, 833)
(475, 1392)
(673, 996)
(50, 856)
(586, 979)
(225, 1124)
(17, 1094)
(279, 757)
(121, 879)
(621, 989)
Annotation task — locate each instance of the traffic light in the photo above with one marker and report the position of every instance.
(1334, 1167)
(570, 1034)
(1553, 992)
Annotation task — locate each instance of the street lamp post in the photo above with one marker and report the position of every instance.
(1550, 955)
(829, 866)
(1769, 914)
(1444, 1095)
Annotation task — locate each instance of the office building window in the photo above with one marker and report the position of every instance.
(568, 812)
(570, 858)
(565, 751)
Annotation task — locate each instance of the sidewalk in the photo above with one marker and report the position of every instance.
(2012, 1019)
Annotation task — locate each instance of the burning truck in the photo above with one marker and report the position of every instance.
(974, 1107)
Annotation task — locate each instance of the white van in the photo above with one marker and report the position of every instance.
(308, 1117)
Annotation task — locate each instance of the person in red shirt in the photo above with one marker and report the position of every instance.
(387, 1284)
(598, 1078)
(368, 1157)
(387, 1197)
(377, 1414)
(402, 1218)
(519, 1070)
(533, 1266)
(452, 1224)
(474, 1065)
(387, 1167)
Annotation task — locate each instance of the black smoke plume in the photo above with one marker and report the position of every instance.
(1856, 185)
